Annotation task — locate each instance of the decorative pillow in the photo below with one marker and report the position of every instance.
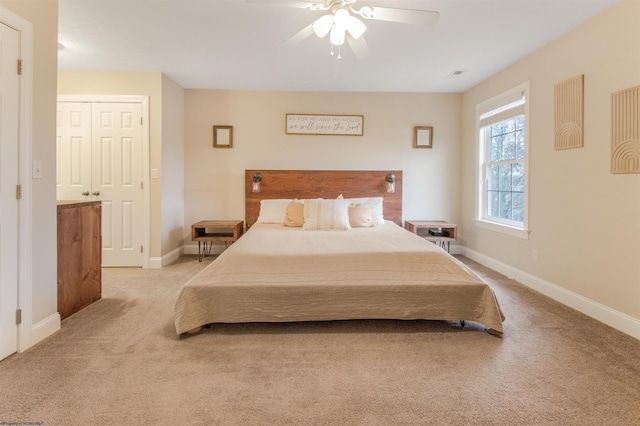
(294, 215)
(273, 211)
(374, 203)
(326, 214)
(360, 216)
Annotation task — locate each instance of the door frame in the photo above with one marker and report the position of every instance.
(146, 193)
(27, 336)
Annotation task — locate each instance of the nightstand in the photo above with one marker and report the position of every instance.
(206, 232)
(442, 232)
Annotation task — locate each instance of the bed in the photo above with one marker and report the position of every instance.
(318, 272)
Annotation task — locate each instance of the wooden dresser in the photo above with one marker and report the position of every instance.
(79, 255)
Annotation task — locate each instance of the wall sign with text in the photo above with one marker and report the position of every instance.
(322, 124)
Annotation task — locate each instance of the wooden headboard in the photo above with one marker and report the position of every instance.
(323, 184)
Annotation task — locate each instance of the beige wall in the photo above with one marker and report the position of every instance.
(129, 83)
(214, 178)
(585, 221)
(44, 17)
(172, 176)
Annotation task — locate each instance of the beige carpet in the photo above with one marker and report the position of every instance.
(119, 362)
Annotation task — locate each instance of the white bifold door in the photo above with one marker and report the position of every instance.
(99, 157)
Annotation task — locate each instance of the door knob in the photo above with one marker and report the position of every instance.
(96, 193)
(85, 193)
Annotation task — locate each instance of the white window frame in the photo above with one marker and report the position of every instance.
(482, 220)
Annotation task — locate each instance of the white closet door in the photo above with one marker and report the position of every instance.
(117, 180)
(9, 124)
(100, 158)
(73, 171)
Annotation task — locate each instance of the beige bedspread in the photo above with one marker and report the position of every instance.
(278, 274)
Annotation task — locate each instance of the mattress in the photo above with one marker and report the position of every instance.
(275, 273)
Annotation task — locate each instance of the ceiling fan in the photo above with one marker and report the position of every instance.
(342, 22)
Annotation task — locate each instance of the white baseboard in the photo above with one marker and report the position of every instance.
(602, 313)
(160, 262)
(155, 262)
(41, 331)
(456, 249)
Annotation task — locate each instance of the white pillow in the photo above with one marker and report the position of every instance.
(360, 216)
(326, 214)
(374, 203)
(273, 211)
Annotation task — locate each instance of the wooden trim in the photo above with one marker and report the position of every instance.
(290, 184)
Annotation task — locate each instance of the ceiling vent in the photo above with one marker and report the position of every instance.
(455, 74)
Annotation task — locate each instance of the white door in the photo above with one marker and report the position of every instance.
(117, 180)
(100, 155)
(9, 111)
(73, 168)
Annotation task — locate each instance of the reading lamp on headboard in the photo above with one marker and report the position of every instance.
(391, 182)
(255, 186)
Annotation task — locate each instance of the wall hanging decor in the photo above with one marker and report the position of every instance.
(569, 113)
(422, 137)
(223, 136)
(625, 131)
(324, 124)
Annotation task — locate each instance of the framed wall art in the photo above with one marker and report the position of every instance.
(625, 131)
(569, 113)
(223, 136)
(324, 124)
(422, 137)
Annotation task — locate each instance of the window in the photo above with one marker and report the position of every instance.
(502, 162)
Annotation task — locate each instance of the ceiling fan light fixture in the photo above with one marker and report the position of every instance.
(337, 36)
(323, 25)
(341, 18)
(356, 27)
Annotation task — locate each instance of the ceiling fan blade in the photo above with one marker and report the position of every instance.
(300, 4)
(298, 37)
(404, 16)
(359, 47)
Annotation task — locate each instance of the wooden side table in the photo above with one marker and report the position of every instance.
(206, 232)
(422, 228)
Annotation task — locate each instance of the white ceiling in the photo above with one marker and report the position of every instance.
(233, 44)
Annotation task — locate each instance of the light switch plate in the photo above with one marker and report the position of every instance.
(37, 169)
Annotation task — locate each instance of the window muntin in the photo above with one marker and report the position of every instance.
(505, 170)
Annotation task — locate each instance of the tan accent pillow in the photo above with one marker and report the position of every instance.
(360, 215)
(374, 203)
(294, 215)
